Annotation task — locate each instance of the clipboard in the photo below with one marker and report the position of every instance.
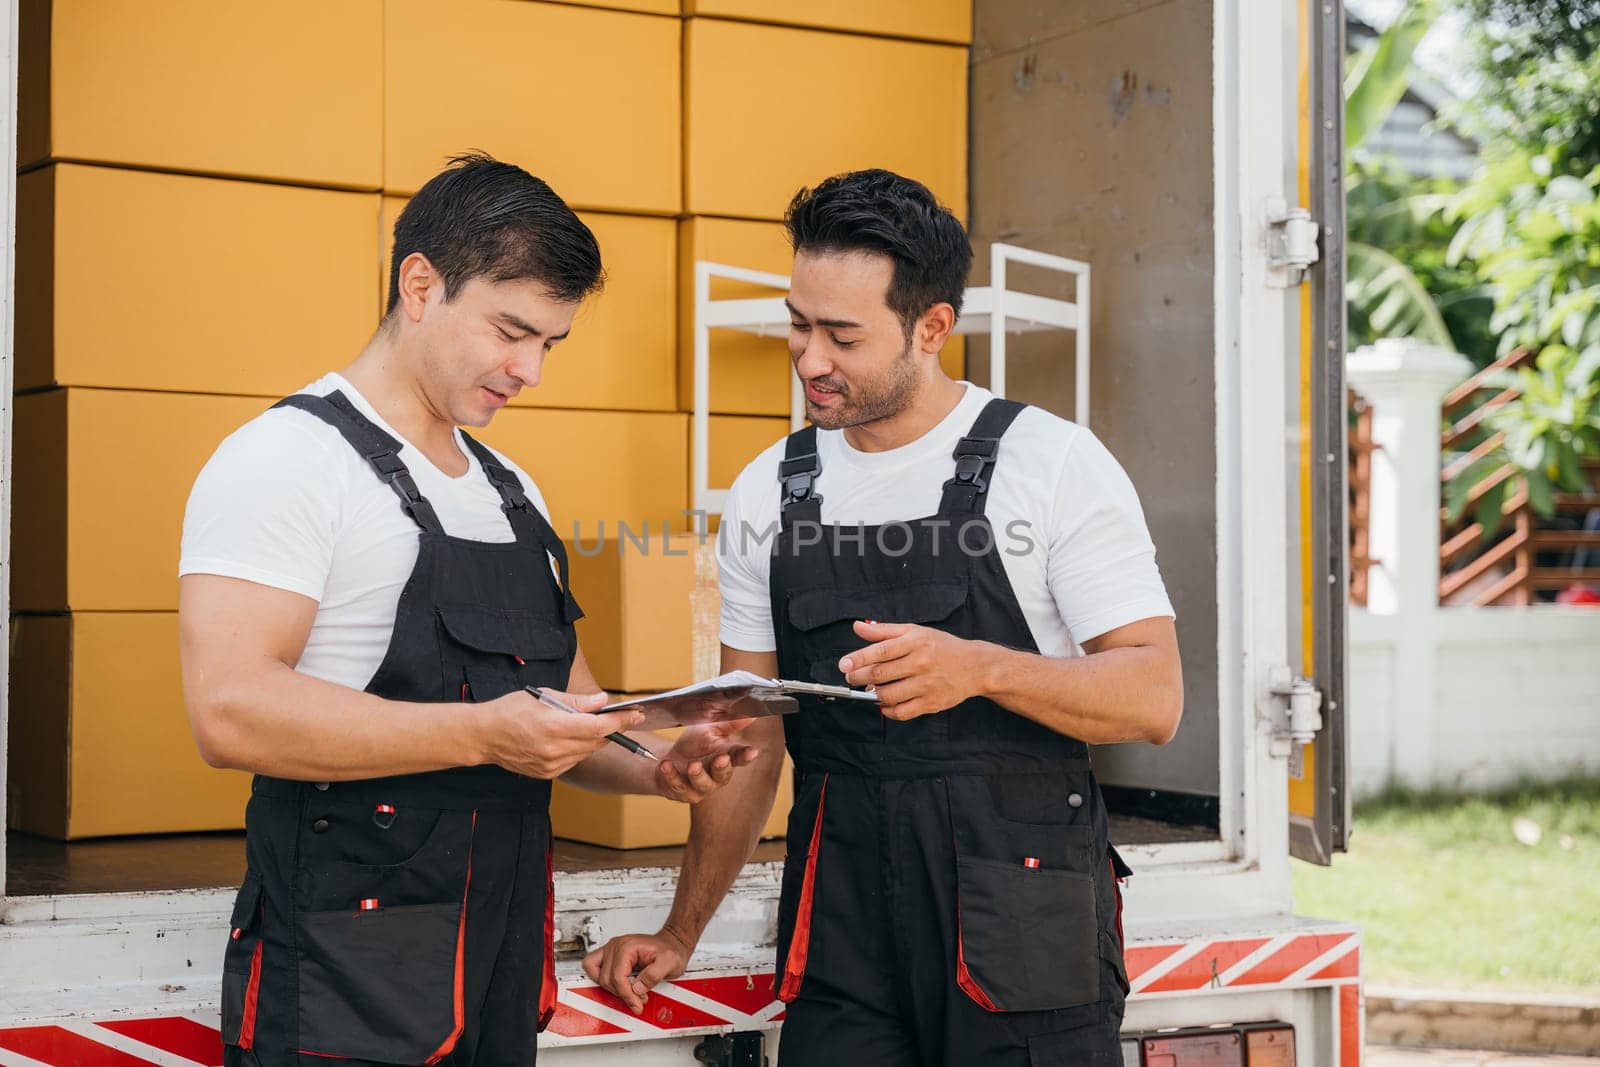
(738, 695)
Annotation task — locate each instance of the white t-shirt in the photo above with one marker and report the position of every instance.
(1066, 519)
(285, 501)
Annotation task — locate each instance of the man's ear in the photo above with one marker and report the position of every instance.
(419, 283)
(934, 328)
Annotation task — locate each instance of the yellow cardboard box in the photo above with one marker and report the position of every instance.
(637, 590)
(621, 355)
(135, 280)
(101, 480)
(933, 20)
(100, 741)
(621, 821)
(586, 99)
(906, 104)
(288, 91)
(601, 466)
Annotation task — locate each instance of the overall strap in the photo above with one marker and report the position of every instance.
(975, 456)
(797, 473)
(526, 521)
(380, 450)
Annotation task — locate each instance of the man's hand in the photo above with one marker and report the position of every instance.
(655, 957)
(529, 737)
(702, 761)
(916, 670)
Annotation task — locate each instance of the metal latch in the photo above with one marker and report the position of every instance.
(1298, 717)
(1291, 240)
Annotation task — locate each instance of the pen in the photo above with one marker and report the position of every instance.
(618, 739)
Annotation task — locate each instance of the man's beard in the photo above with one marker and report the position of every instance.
(881, 398)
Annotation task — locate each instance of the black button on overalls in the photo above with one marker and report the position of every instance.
(949, 896)
(407, 920)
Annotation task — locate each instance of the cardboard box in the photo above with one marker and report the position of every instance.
(933, 20)
(586, 99)
(288, 91)
(621, 821)
(100, 740)
(101, 480)
(638, 594)
(649, 7)
(906, 104)
(601, 467)
(622, 351)
(749, 374)
(135, 280)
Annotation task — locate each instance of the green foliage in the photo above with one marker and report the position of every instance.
(1410, 287)
(1549, 430)
(1378, 77)
(1534, 235)
(1539, 62)
(1512, 260)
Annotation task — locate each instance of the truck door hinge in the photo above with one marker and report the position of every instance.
(1296, 713)
(1292, 244)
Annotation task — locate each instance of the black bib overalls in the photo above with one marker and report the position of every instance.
(406, 920)
(950, 894)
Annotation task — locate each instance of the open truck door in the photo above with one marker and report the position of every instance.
(1319, 802)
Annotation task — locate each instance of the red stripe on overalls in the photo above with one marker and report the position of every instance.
(794, 967)
(247, 1023)
(460, 983)
(547, 983)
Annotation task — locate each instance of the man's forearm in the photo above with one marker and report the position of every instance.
(723, 830)
(276, 721)
(1120, 694)
(614, 769)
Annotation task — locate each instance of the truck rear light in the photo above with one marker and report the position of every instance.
(1268, 1044)
(1202, 1048)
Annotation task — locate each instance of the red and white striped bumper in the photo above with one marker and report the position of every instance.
(712, 1002)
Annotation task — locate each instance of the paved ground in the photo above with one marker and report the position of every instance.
(1388, 1056)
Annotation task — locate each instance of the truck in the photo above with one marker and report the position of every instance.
(1185, 156)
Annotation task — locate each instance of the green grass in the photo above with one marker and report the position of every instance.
(1447, 897)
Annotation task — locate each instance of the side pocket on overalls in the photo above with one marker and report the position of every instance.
(1027, 929)
(383, 978)
(799, 894)
(1113, 945)
(241, 965)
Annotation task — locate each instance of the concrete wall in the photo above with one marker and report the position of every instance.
(1515, 694)
(1092, 138)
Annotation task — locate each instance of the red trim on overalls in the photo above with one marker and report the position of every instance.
(794, 967)
(547, 983)
(969, 985)
(461, 965)
(247, 1022)
(1116, 887)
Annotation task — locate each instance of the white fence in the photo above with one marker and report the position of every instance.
(1446, 697)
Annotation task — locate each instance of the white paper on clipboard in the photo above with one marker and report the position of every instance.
(736, 695)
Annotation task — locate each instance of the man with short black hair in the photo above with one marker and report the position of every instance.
(366, 595)
(950, 893)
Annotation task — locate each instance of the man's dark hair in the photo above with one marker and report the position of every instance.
(879, 211)
(480, 217)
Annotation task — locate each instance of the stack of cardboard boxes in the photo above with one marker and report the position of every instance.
(204, 213)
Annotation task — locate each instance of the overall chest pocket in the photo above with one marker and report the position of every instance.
(489, 652)
(824, 618)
